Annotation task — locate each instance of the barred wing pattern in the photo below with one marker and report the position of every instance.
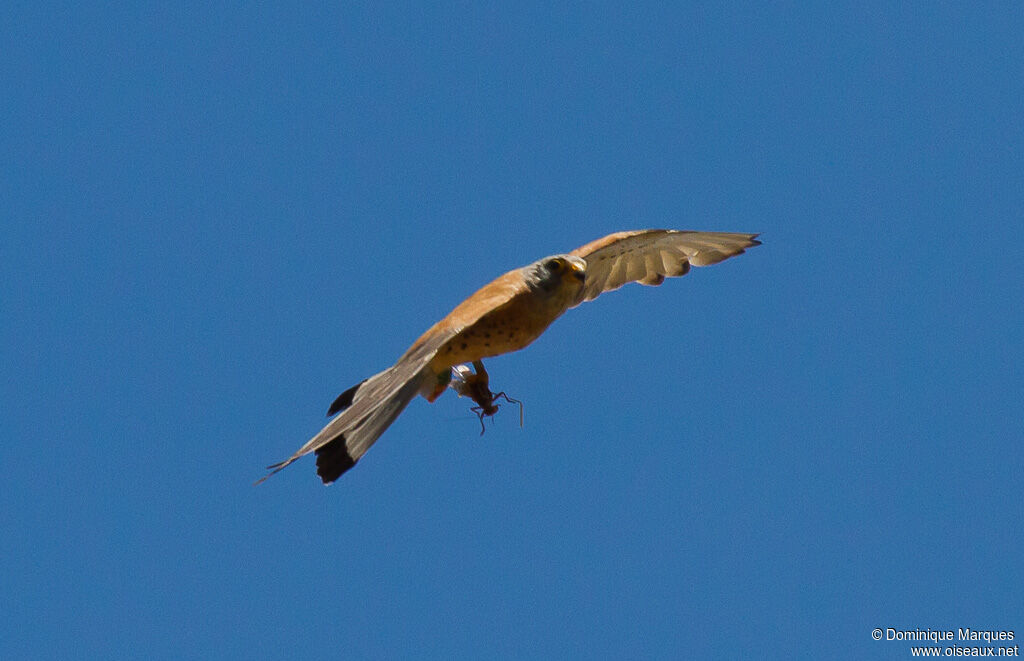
(650, 256)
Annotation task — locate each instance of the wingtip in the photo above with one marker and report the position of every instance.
(274, 469)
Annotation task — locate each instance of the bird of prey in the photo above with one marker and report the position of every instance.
(505, 315)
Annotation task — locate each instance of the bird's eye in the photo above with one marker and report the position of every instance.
(553, 264)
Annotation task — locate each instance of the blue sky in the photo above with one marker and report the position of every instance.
(217, 218)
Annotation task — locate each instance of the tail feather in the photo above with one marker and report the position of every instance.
(361, 435)
(333, 459)
(367, 409)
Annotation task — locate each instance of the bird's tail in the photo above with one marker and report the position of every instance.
(365, 411)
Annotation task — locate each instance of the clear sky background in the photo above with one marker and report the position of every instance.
(217, 218)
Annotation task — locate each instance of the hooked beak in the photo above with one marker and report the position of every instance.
(579, 269)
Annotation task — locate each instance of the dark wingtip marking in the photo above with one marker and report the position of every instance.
(332, 460)
(344, 400)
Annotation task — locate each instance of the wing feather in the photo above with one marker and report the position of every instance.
(649, 256)
(367, 409)
(375, 404)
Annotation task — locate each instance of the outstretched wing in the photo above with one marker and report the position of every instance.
(368, 408)
(650, 256)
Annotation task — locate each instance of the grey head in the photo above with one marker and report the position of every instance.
(550, 273)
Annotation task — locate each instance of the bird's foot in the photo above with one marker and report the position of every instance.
(444, 380)
(475, 386)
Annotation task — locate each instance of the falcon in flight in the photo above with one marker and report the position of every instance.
(504, 316)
